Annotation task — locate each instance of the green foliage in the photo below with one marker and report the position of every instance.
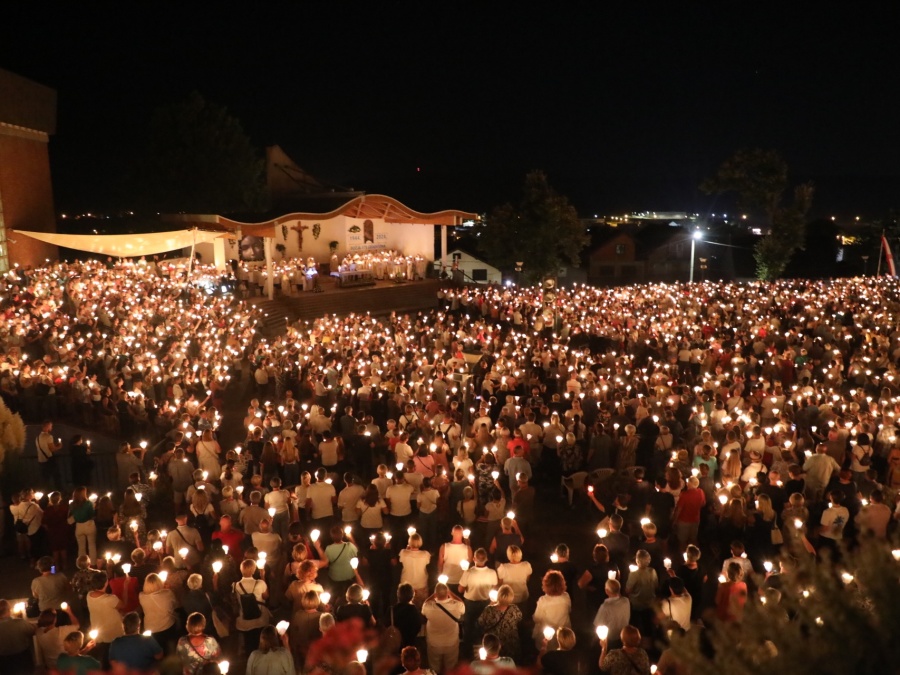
(199, 160)
(543, 231)
(12, 443)
(839, 627)
(760, 179)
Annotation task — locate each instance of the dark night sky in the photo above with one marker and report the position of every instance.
(625, 107)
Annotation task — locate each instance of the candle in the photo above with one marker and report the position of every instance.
(443, 579)
(493, 594)
(64, 606)
(282, 626)
(366, 595)
(354, 563)
(464, 565)
(163, 576)
(93, 634)
(602, 632)
(482, 653)
(183, 552)
(611, 574)
(549, 633)
(325, 597)
(217, 566)
(314, 536)
(271, 511)
(126, 568)
(223, 667)
(362, 655)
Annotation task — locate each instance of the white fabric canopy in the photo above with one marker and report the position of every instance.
(127, 245)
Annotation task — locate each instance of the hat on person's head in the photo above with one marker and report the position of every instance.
(755, 456)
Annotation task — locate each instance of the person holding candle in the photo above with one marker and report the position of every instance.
(74, 660)
(442, 613)
(272, 658)
(52, 628)
(489, 660)
(250, 592)
(104, 609)
(502, 618)
(197, 649)
(553, 608)
(414, 567)
(16, 634)
(629, 659)
(159, 606)
(46, 448)
(134, 652)
(475, 585)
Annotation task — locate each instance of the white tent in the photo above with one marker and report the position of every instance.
(127, 245)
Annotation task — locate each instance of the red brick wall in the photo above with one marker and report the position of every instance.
(27, 195)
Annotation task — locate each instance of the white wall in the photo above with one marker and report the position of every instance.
(411, 239)
(467, 264)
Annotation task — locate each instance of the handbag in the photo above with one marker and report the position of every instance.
(20, 525)
(775, 534)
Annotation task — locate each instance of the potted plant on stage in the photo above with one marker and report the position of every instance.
(281, 248)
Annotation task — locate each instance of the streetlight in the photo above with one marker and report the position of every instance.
(865, 260)
(696, 236)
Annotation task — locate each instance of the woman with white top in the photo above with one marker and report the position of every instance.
(515, 573)
(414, 562)
(208, 451)
(371, 509)
(103, 610)
(159, 604)
(451, 554)
(553, 608)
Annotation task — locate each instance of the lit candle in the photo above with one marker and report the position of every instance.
(602, 632)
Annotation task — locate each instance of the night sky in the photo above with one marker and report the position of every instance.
(448, 105)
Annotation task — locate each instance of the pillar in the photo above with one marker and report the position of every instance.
(270, 272)
(219, 254)
(443, 247)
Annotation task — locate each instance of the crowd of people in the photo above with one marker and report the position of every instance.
(394, 502)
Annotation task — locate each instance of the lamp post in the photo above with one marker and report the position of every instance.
(519, 265)
(865, 260)
(695, 236)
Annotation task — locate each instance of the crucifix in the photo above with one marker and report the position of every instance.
(299, 228)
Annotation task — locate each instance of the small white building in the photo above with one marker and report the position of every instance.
(474, 269)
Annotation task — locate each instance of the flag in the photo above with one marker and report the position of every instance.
(889, 257)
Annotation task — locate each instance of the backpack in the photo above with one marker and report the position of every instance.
(249, 604)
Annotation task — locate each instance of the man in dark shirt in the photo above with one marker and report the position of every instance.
(133, 652)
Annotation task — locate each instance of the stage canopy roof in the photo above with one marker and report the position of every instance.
(127, 245)
(363, 206)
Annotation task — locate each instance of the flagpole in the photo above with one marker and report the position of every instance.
(880, 252)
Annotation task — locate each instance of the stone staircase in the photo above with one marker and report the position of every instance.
(383, 298)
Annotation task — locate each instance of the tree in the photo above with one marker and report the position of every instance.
(543, 231)
(843, 619)
(12, 443)
(199, 160)
(760, 179)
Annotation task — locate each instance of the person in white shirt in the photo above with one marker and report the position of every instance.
(382, 482)
(553, 608)
(834, 520)
(475, 585)
(397, 497)
(677, 607)
(414, 562)
(349, 497)
(442, 613)
(451, 555)
(403, 452)
(320, 500)
(739, 556)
